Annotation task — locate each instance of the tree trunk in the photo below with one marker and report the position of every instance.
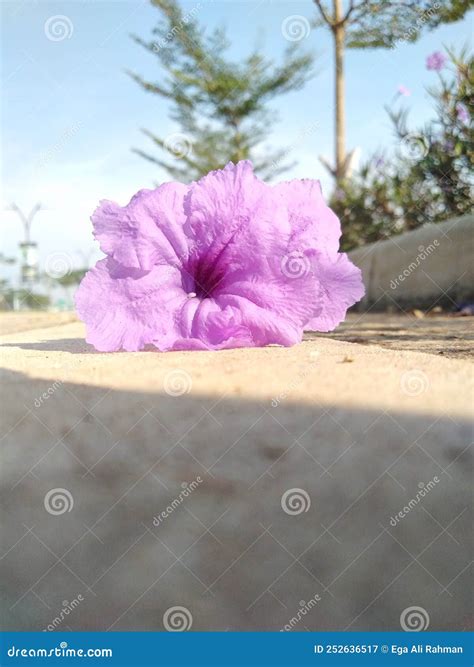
(340, 138)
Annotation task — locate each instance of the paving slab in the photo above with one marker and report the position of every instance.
(444, 334)
(320, 487)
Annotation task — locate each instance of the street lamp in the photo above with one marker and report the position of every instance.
(28, 249)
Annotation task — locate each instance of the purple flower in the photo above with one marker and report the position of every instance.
(462, 113)
(227, 261)
(436, 61)
(403, 90)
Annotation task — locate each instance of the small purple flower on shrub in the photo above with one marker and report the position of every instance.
(436, 61)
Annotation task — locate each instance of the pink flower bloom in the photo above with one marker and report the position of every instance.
(227, 261)
(462, 113)
(436, 61)
(403, 90)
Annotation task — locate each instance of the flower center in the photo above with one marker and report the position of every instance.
(203, 278)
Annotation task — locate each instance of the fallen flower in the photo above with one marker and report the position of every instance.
(228, 261)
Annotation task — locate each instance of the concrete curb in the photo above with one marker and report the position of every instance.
(432, 265)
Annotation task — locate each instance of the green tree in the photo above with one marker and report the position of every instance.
(369, 24)
(219, 105)
(429, 179)
(434, 177)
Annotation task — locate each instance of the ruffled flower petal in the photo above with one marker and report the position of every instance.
(213, 327)
(147, 231)
(341, 287)
(127, 308)
(227, 262)
(234, 222)
(314, 224)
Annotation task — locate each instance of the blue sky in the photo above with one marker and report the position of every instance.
(71, 115)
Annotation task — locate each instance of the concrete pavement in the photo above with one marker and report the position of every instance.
(325, 486)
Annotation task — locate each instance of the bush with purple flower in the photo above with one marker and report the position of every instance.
(429, 179)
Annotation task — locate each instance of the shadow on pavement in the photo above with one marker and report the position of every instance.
(119, 505)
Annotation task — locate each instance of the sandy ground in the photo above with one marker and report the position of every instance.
(298, 463)
(12, 322)
(447, 335)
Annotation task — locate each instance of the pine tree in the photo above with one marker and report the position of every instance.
(219, 105)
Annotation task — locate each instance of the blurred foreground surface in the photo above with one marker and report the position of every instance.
(438, 334)
(298, 463)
